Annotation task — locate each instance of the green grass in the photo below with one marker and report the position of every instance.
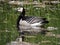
(7, 22)
(8, 18)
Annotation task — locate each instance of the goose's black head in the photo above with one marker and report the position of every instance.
(22, 12)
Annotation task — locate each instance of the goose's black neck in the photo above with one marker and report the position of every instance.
(22, 15)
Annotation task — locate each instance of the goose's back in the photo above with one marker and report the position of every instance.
(32, 19)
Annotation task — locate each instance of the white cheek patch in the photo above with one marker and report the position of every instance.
(20, 9)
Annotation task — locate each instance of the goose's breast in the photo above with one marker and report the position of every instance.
(24, 23)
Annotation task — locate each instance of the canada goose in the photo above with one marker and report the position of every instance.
(29, 22)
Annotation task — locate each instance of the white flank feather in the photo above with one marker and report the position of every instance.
(36, 24)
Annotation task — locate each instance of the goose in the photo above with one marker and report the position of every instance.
(29, 22)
